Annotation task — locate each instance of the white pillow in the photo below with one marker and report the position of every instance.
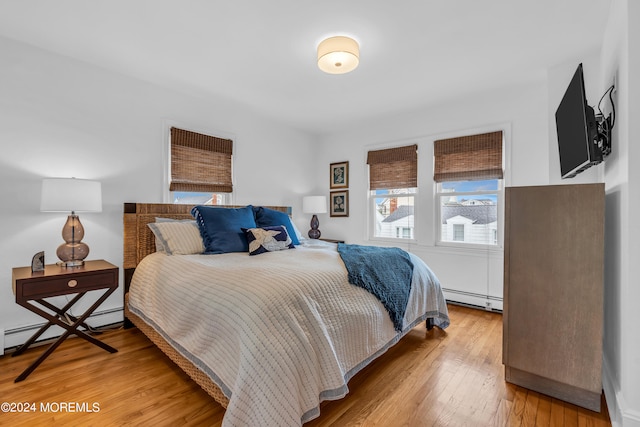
(177, 237)
(298, 234)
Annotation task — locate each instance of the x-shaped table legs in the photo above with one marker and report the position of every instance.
(57, 320)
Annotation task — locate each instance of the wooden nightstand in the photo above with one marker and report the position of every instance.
(33, 287)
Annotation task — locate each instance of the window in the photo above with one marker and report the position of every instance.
(392, 191)
(198, 198)
(458, 232)
(468, 173)
(404, 232)
(469, 211)
(200, 168)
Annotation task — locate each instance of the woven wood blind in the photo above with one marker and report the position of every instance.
(393, 168)
(200, 162)
(468, 158)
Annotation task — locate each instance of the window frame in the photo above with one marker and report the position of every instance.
(481, 139)
(405, 153)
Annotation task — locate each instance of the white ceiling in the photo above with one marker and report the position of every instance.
(413, 53)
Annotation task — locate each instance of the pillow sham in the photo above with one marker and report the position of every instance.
(221, 228)
(158, 242)
(266, 217)
(177, 237)
(268, 239)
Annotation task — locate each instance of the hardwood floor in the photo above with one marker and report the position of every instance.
(436, 378)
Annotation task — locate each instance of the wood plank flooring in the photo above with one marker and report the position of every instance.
(437, 378)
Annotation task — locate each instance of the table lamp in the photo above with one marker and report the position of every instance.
(314, 205)
(71, 195)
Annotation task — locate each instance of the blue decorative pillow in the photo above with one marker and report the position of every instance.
(221, 228)
(268, 239)
(266, 217)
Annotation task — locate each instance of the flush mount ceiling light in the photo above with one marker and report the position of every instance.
(338, 55)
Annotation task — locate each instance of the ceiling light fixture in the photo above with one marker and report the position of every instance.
(338, 55)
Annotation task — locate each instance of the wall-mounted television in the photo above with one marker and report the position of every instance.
(577, 130)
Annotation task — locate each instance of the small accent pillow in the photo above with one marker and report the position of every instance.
(177, 237)
(266, 217)
(268, 239)
(221, 228)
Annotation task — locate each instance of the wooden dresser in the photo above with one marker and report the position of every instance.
(553, 290)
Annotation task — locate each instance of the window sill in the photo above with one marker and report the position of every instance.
(394, 240)
(470, 247)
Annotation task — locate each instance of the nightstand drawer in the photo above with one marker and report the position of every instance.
(66, 284)
(56, 280)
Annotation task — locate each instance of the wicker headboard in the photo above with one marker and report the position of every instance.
(139, 241)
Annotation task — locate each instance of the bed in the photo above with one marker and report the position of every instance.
(269, 336)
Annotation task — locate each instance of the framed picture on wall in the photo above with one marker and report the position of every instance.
(339, 175)
(339, 203)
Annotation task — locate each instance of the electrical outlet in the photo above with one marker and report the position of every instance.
(488, 306)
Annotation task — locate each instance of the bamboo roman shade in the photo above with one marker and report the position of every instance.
(393, 168)
(200, 163)
(468, 158)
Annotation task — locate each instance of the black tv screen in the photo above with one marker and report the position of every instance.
(577, 129)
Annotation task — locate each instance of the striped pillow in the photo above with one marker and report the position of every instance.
(177, 237)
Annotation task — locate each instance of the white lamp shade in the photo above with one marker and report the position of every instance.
(338, 55)
(71, 194)
(314, 204)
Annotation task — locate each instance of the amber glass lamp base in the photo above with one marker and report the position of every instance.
(73, 252)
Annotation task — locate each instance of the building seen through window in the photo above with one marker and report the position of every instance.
(469, 211)
(192, 198)
(394, 213)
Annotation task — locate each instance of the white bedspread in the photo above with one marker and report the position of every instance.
(278, 332)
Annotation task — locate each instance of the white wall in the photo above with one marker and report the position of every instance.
(621, 59)
(60, 118)
(521, 112)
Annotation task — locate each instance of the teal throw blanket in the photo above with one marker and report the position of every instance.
(384, 272)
